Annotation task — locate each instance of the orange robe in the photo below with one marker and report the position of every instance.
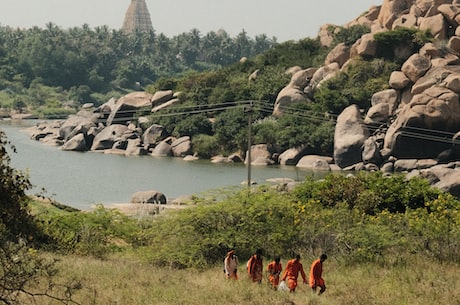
(274, 270)
(291, 273)
(316, 272)
(255, 268)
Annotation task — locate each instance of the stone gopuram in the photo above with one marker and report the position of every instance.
(137, 18)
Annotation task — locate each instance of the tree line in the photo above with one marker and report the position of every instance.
(83, 64)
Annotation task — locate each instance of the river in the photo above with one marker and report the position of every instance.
(82, 180)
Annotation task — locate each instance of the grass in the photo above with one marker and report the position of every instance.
(128, 281)
(386, 258)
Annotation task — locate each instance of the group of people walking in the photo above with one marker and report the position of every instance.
(275, 273)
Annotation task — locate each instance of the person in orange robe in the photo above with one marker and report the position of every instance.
(231, 265)
(255, 267)
(291, 273)
(316, 273)
(274, 270)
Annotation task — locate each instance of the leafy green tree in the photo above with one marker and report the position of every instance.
(25, 276)
(298, 127)
(205, 146)
(192, 125)
(14, 218)
(230, 129)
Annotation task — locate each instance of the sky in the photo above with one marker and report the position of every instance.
(285, 20)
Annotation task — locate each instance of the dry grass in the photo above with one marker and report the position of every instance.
(118, 281)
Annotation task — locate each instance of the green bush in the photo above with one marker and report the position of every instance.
(95, 233)
(192, 125)
(205, 146)
(349, 35)
(354, 85)
(230, 129)
(389, 42)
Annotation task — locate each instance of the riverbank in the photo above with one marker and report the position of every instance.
(85, 179)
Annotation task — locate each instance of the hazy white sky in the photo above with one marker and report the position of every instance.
(289, 19)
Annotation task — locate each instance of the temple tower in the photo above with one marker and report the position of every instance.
(137, 18)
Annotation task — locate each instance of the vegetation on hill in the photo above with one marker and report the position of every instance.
(307, 125)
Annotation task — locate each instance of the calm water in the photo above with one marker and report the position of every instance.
(84, 179)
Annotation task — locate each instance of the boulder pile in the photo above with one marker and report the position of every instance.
(412, 127)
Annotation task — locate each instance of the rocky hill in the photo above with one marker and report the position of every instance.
(415, 125)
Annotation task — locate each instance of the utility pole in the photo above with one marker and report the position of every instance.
(249, 112)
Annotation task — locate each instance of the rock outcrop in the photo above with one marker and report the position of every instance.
(152, 196)
(418, 118)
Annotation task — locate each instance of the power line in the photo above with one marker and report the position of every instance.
(266, 107)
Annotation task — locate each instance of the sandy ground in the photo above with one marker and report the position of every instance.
(139, 210)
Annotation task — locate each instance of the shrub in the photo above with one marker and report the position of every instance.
(91, 233)
(349, 35)
(205, 146)
(389, 42)
(354, 85)
(192, 125)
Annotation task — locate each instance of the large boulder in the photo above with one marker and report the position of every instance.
(134, 148)
(365, 46)
(76, 124)
(44, 130)
(261, 154)
(384, 103)
(76, 143)
(391, 10)
(371, 151)
(291, 156)
(349, 137)
(154, 134)
(182, 146)
(128, 106)
(293, 92)
(321, 75)
(163, 149)
(315, 162)
(340, 54)
(152, 196)
(416, 66)
(445, 177)
(421, 128)
(399, 80)
(162, 96)
(108, 136)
